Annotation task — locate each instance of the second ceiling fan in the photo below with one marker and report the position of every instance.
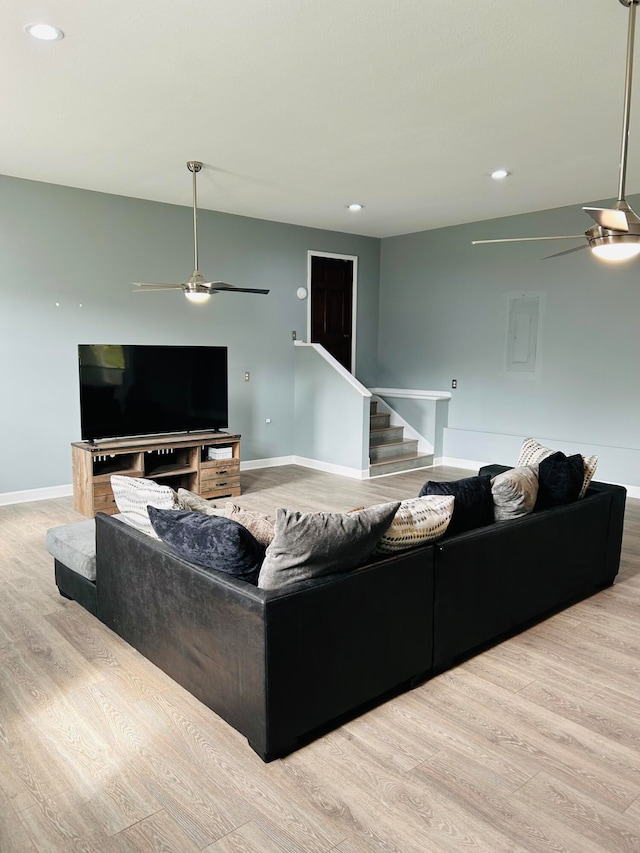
(616, 234)
(195, 287)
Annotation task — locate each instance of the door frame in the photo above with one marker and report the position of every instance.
(311, 253)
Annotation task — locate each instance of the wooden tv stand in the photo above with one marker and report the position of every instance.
(180, 460)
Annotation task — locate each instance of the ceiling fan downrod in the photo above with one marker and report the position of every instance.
(631, 4)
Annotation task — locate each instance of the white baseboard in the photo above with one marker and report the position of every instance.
(30, 495)
(271, 462)
(304, 462)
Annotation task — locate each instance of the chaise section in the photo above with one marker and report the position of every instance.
(73, 547)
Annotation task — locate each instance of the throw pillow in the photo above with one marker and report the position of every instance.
(134, 494)
(259, 525)
(311, 544)
(532, 452)
(211, 541)
(514, 492)
(190, 501)
(473, 505)
(560, 479)
(418, 521)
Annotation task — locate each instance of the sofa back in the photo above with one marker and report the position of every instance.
(274, 663)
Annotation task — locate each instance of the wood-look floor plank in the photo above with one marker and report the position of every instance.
(248, 838)
(532, 746)
(158, 833)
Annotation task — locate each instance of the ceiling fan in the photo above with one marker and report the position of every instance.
(195, 287)
(616, 234)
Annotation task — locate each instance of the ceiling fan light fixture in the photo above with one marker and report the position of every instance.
(617, 248)
(197, 296)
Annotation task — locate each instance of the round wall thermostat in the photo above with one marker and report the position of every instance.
(301, 293)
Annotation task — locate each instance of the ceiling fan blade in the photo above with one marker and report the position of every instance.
(566, 252)
(527, 239)
(156, 286)
(223, 287)
(612, 220)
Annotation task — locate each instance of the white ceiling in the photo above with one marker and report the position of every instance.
(297, 107)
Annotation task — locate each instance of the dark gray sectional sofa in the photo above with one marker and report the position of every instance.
(283, 665)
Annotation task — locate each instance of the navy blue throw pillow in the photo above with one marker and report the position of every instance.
(473, 505)
(211, 541)
(560, 479)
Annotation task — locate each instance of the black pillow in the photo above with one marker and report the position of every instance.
(212, 541)
(473, 505)
(560, 479)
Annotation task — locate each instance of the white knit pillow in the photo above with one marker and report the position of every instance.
(532, 452)
(417, 521)
(134, 494)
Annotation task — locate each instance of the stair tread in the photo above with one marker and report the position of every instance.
(410, 458)
(394, 466)
(400, 443)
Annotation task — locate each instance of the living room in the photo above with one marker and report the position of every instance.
(431, 308)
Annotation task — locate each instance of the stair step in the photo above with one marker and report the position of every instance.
(396, 466)
(393, 450)
(386, 435)
(379, 421)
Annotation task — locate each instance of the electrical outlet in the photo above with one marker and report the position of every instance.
(247, 376)
(294, 336)
(454, 383)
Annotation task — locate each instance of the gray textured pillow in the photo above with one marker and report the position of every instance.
(194, 503)
(134, 494)
(259, 525)
(533, 452)
(514, 492)
(311, 544)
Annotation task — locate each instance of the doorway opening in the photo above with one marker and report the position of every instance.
(331, 315)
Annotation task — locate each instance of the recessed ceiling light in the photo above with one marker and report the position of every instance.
(499, 174)
(44, 32)
(355, 206)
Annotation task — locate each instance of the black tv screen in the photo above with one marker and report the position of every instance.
(130, 390)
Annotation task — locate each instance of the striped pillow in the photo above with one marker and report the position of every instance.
(532, 452)
(134, 494)
(417, 521)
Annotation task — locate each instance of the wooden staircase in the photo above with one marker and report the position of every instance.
(389, 451)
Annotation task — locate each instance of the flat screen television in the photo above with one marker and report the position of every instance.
(129, 390)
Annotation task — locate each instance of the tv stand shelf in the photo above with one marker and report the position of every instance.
(180, 460)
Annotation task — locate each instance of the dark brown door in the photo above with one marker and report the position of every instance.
(332, 306)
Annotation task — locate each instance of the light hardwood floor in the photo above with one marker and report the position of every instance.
(531, 746)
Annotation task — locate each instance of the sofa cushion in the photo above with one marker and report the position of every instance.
(417, 521)
(311, 544)
(532, 452)
(134, 494)
(259, 525)
(74, 545)
(514, 492)
(211, 541)
(190, 501)
(473, 505)
(560, 480)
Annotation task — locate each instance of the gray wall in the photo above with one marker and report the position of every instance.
(443, 315)
(82, 248)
